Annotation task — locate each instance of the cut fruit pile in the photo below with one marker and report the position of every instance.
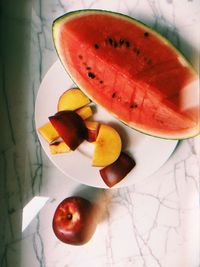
(71, 125)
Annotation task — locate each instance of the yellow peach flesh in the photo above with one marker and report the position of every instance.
(107, 146)
(85, 112)
(72, 99)
(48, 132)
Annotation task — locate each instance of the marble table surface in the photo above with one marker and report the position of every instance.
(152, 224)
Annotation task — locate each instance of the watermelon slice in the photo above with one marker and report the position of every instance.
(130, 70)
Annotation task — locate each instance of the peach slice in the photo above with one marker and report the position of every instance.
(72, 99)
(93, 129)
(85, 112)
(48, 132)
(107, 146)
(70, 126)
(59, 147)
(115, 172)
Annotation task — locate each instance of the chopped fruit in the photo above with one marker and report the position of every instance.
(85, 112)
(72, 99)
(70, 126)
(93, 129)
(59, 147)
(48, 132)
(107, 146)
(114, 173)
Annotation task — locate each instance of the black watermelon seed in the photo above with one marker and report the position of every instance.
(114, 95)
(96, 46)
(127, 44)
(115, 44)
(134, 105)
(88, 68)
(91, 75)
(110, 40)
(146, 34)
(121, 42)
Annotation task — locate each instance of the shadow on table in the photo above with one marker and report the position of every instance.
(15, 17)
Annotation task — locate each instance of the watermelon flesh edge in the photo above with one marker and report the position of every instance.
(131, 71)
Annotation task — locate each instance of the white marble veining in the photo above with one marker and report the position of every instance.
(152, 224)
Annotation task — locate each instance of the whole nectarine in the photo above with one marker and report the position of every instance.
(74, 221)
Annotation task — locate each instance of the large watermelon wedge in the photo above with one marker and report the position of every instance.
(130, 70)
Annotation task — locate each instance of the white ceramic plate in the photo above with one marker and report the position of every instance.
(149, 153)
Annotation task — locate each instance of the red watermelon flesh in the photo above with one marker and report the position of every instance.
(128, 69)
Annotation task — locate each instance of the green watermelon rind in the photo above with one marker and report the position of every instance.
(181, 57)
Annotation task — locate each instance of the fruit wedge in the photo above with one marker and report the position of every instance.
(70, 126)
(72, 99)
(107, 146)
(48, 132)
(85, 112)
(115, 172)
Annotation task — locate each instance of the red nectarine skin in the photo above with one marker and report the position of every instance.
(115, 172)
(70, 126)
(74, 221)
(93, 130)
